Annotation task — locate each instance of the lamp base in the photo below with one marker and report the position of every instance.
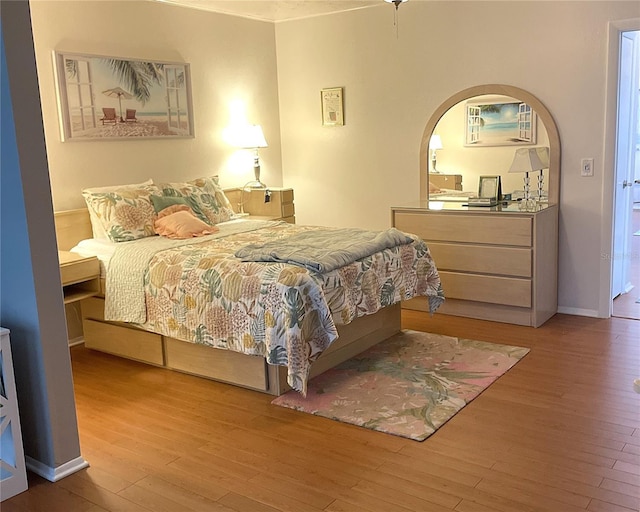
(256, 184)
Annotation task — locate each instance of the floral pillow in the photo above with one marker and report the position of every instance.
(124, 213)
(211, 203)
(96, 224)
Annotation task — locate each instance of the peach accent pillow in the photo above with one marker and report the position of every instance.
(178, 221)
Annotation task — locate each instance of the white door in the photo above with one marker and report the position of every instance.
(628, 83)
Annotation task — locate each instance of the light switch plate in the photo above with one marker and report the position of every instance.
(586, 167)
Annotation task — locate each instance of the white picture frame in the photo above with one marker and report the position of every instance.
(500, 123)
(104, 97)
(332, 106)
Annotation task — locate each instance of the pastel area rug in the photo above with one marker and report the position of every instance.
(408, 385)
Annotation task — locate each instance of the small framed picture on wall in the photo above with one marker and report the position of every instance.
(332, 106)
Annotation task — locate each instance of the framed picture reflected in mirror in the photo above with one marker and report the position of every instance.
(490, 188)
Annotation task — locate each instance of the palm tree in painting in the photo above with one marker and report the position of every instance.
(137, 76)
(492, 108)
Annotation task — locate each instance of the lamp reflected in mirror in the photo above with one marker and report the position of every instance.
(435, 143)
(543, 155)
(528, 160)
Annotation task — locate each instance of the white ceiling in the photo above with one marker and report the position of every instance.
(275, 10)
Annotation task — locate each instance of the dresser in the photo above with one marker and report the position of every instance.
(498, 263)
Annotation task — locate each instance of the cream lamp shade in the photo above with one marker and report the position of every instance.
(435, 143)
(526, 160)
(250, 137)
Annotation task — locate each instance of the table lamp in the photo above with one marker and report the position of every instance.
(435, 143)
(252, 137)
(527, 160)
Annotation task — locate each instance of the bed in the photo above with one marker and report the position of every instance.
(195, 306)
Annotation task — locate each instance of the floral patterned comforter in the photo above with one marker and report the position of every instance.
(201, 293)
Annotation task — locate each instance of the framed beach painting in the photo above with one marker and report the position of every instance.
(102, 98)
(503, 123)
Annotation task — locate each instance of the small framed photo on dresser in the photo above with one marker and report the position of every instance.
(490, 188)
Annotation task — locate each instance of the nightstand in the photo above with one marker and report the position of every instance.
(270, 204)
(80, 276)
(447, 181)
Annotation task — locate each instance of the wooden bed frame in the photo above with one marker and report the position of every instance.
(218, 364)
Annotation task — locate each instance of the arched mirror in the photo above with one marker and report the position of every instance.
(476, 134)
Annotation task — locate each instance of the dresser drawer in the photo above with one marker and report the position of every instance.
(492, 289)
(504, 261)
(479, 229)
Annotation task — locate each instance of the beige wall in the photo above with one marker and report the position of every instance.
(393, 81)
(352, 175)
(231, 59)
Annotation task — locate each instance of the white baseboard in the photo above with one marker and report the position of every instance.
(579, 312)
(76, 341)
(55, 474)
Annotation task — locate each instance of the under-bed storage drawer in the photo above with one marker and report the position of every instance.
(123, 341)
(218, 364)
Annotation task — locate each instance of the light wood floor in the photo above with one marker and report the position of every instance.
(560, 432)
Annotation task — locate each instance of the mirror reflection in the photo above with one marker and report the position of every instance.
(481, 136)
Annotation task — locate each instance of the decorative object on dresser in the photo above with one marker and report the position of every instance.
(528, 160)
(543, 154)
(252, 137)
(489, 192)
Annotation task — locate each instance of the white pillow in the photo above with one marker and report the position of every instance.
(96, 224)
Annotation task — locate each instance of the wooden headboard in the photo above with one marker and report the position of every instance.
(71, 227)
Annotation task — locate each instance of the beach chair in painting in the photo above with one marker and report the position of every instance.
(131, 116)
(109, 115)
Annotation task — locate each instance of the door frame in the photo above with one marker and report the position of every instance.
(615, 28)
